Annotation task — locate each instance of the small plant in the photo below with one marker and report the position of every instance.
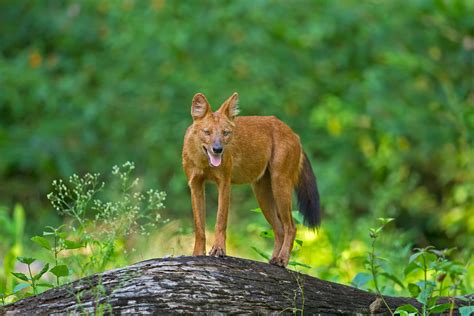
(434, 267)
(60, 243)
(32, 280)
(374, 262)
(102, 217)
(299, 291)
(376, 265)
(98, 219)
(98, 292)
(14, 295)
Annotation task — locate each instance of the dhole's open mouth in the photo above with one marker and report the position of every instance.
(214, 159)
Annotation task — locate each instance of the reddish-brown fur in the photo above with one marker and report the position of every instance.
(260, 150)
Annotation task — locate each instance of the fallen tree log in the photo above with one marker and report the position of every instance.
(203, 285)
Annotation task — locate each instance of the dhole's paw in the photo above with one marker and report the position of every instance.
(273, 261)
(199, 251)
(280, 262)
(217, 252)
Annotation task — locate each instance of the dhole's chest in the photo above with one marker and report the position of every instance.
(241, 169)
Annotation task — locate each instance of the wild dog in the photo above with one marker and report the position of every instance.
(261, 150)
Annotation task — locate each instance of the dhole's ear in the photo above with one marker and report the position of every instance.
(231, 106)
(200, 107)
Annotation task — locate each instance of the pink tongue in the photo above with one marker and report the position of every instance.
(215, 159)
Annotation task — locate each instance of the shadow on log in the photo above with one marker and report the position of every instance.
(203, 285)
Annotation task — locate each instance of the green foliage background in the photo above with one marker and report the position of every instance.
(381, 93)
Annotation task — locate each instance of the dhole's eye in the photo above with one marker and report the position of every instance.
(206, 132)
(227, 133)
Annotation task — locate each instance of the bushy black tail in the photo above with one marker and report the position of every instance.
(308, 195)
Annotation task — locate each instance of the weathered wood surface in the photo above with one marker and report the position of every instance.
(204, 285)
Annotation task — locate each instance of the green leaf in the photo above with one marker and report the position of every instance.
(20, 287)
(256, 210)
(444, 265)
(21, 276)
(385, 221)
(261, 253)
(43, 242)
(43, 284)
(456, 269)
(299, 242)
(393, 278)
(440, 308)
(70, 244)
(425, 294)
(448, 251)
(412, 266)
(361, 279)
(43, 271)
(60, 270)
(406, 308)
(414, 256)
(429, 283)
(432, 301)
(381, 259)
(430, 259)
(466, 310)
(414, 289)
(295, 263)
(26, 260)
(438, 253)
(442, 253)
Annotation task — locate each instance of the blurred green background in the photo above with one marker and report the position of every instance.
(381, 93)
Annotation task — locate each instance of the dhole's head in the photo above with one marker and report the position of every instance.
(214, 129)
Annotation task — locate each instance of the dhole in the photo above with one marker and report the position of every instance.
(260, 150)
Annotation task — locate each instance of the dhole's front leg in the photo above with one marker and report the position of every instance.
(218, 249)
(199, 213)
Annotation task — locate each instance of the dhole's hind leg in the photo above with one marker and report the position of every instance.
(263, 192)
(282, 189)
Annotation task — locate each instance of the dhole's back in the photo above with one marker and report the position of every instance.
(254, 143)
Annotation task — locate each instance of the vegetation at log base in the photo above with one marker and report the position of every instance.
(436, 267)
(99, 219)
(380, 94)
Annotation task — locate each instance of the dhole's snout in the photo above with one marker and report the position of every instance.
(214, 154)
(217, 147)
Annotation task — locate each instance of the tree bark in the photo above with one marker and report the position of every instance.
(205, 285)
